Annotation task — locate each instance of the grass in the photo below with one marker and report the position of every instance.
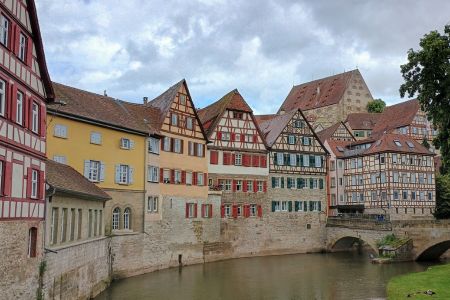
(391, 240)
(436, 278)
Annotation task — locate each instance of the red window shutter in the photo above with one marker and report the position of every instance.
(265, 186)
(233, 159)
(235, 211)
(182, 146)
(234, 185)
(13, 103)
(187, 210)
(172, 176)
(244, 186)
(205, 178)
(172, 145)
(244, 160)
(242, 138)
(43, 120)
(214, 157)
(161, 175)
(210, 211)
(41, 185)
(17, 39)
(8, 178)
(194, 178)
(29, 170)
(259, 211)
(203, 210)
(204, 150)
(195, 149)
(246, 210)
(255, 161)
(219, 135)
(195, 210)
(162, 143)
(233, 137)
(222, 211)
(263, 161)
(189, 148)
(255, 138)
(226, 158)
(255, 186)
(29, 51)
(27, 111)
(183, 177)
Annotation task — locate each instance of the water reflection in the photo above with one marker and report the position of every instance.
(305, 276)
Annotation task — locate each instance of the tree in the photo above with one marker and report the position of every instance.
(426, 144)
(376, 106)
(427, 74)
(442, 197)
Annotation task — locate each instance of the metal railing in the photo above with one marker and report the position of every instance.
(365, 217)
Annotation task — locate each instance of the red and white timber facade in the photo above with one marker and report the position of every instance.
(237, 156)
(25, 88)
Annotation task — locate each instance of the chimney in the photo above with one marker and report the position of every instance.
(318, 90)
(105, 94)
(145, 99)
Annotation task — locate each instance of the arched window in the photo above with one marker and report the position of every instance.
(126, 218)
(115, 218)
(32, 240)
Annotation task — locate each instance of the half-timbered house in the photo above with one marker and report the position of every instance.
(237, 156)
(25, 88)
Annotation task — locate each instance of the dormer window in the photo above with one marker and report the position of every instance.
(4, 30)
(397, 143)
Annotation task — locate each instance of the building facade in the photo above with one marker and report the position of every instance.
(362, 124)
(237, 156)
(329, 100)
(25, 87)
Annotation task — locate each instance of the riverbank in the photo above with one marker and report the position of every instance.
(435, 278)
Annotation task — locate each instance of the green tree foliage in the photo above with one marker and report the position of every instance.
(376, 106)
(426, 144)
(442, 197)
(427, 74)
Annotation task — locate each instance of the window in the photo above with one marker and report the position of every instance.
(166, 145)
(177, 145)
(293, 159)
(63, 224)
(32, 241)
(279, 159)
(238, 185)
(238, 115)
(276, 182)
(123, 174)
(115, 218)
(227, 185)
(35, 118)
(34, 184)
(291, 140)
(200, 150)
(397, 143)
(95, 222)
(80, 223)
(227, 210)
(182, 99)
(152, 204)
(306, 141)
(382, 158)
(226, 136)
(189, 123)
(200, 179)
(239, 210)
(4, 31)
(206, 210)
(100, 223)
(298, 124)
(394, 158)
(94, 171)
(249, 186)
(2, 176)
(153, 174)
(315, 206)
(191, 210)
(90, 223)
(2, 98)
(260, 185)
(72, 224)
(153, 145)
(405, 195)
(253, 208)
(22, 47)
(60, 131)
(19, 108)
(430, 196)
(189, 178)
(125, 143)
(177, 178)
(126, 218)
(396, 195)
(250, 138)
(54, 226)
(174, 120)
(96, 138)
(306, 160)
(238, 159)
(318, 161)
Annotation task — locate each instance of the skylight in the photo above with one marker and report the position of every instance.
(397, 142)
(410, 145)
(340, 149)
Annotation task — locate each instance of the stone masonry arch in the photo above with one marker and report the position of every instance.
(433, 250)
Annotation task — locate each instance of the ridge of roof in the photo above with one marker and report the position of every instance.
(397, 115)
(363, 121)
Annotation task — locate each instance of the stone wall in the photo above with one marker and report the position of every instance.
(18, 272)
(78, 271)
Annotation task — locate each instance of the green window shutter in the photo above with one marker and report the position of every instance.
(305, 205)
(310, 206)
(296, 206)
(299, 160)
(302, 183)
(299, 185)
(273, 182)
(312, 161)
(290, 205)
(321, 184)
(282, 182)
(311, 183)
(320, 206)
(275, 162)
(273, 206)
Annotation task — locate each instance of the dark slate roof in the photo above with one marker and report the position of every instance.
(67, 180)
(363, 121)
(210, 115)
(103, 109)
(398, 115)
(318, 93)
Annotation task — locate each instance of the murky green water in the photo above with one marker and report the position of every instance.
(305, 276)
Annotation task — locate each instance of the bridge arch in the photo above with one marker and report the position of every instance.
(348, 241)
(433, 250)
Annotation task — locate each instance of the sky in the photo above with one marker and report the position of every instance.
(139, 48)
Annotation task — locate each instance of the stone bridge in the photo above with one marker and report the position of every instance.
(431, 238)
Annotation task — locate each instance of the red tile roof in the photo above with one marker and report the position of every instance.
(274, 125)
(328, 133)
(363, 121)
(395, 116)
(335, 145)
(67, 180)
(387, 143)
(318, 93)
(210, 115)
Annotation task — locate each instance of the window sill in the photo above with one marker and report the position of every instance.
(60, 137)
(123, 232)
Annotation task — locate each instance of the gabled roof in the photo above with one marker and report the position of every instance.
(328, 133)
(335, 147)
(363, 121)
(164, 102)
(103, 110)
(210, 115)
(387, 143)
(37, 39)
(318, 93)
(67, 180)
(398, 115)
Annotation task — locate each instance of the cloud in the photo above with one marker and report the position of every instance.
(139, 48)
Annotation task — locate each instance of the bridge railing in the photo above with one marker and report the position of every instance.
(366, 217)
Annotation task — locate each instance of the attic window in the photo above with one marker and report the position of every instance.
(340, 149)
(238, 115)
(410, 145)
(397, 143)
(378, 143)
(182, 99)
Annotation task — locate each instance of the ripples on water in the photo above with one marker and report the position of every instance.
(335, 276)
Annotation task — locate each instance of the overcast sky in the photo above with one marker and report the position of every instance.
(137, 48)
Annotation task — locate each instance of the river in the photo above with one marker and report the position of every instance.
(345, 275)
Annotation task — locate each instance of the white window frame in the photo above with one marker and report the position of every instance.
(249, 186)
(174, 120)
(126, 218)
(60, 159)
(200, 150)
(23, 41)
(189, 178)
(152, 204)
(280, 159)
(226, 136)
(177, 176)
(166, 175)
(238, 159)
(96, 138)
(152, 174)
(166, 145)
(2, 98)
(35, 117)
(200, 179)
(94, 170)
(116, 219)
(19, 108)
(228, 184)
(191, 210)
(153, 145)
(4, 31)
(34, 184)
(189, 123)
(177, 145)
(125, 143)
(60, 131)
(293, 159)
(253, 210)
(239, 185)
(227, 210)
(291, 139)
